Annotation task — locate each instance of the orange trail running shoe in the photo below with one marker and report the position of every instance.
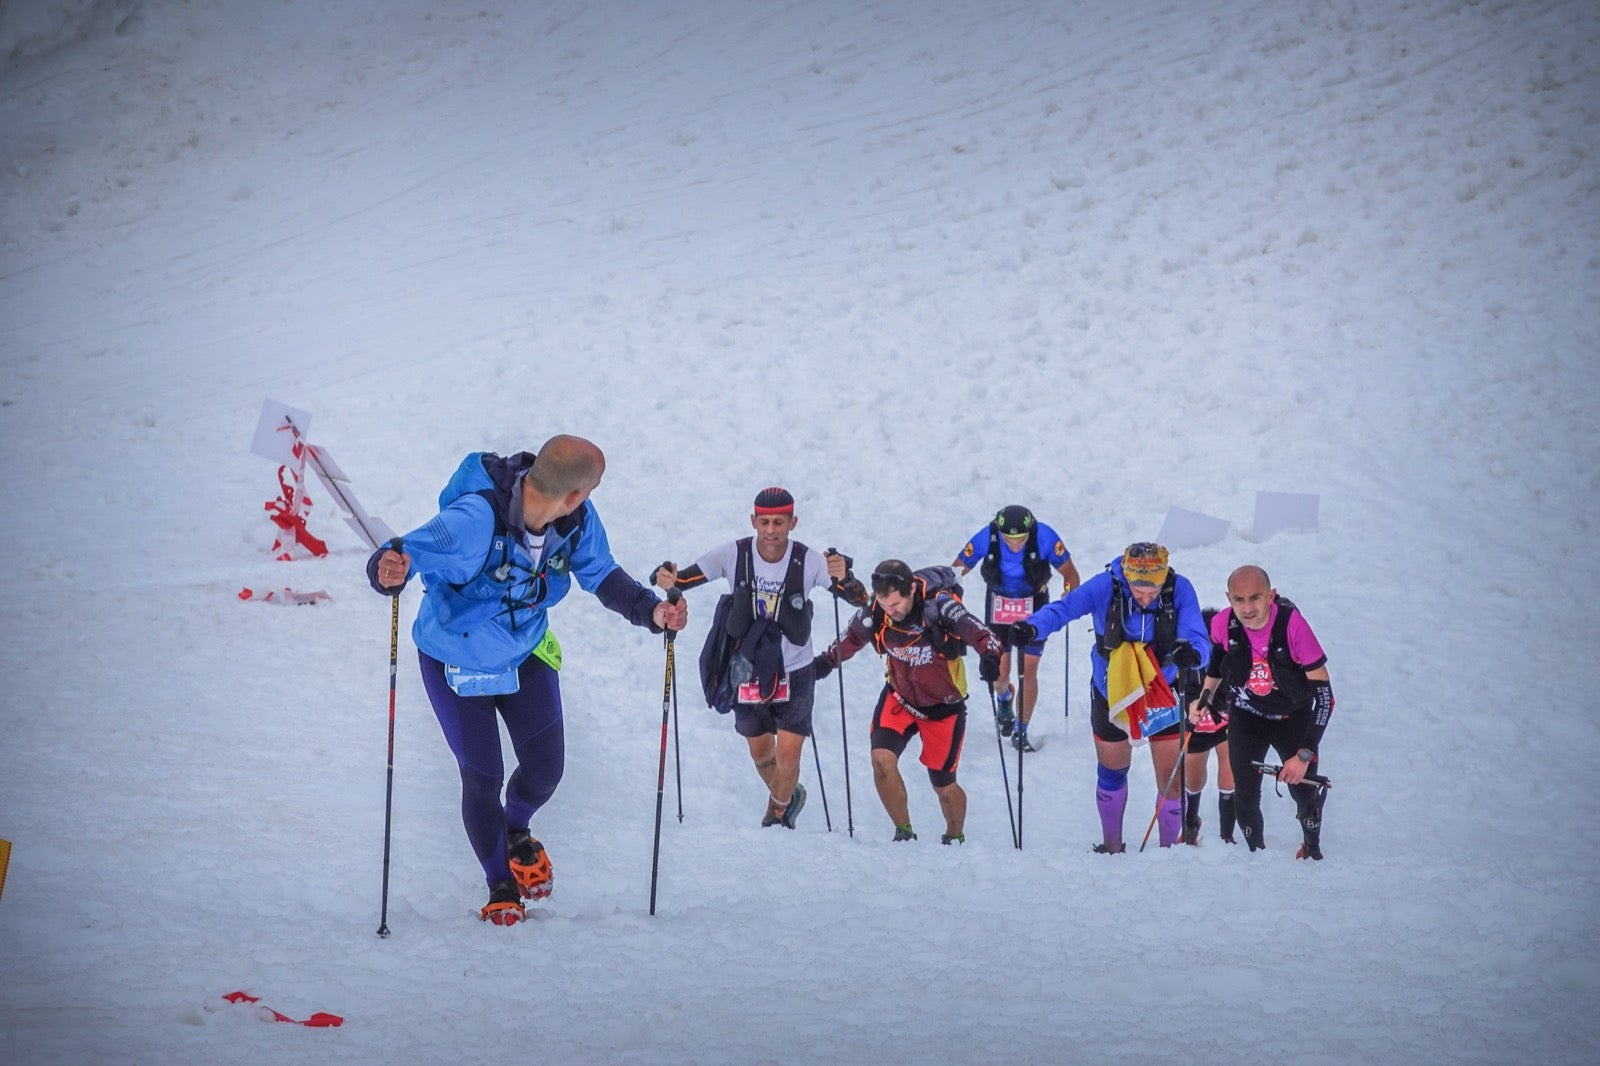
(530, 864)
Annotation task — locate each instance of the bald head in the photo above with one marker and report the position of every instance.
(567, 464)
(1248, 577)
(1251, 596)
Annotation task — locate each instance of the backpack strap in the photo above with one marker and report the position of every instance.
(1166, 629)
(1167, 618)
(498, 535)
(990, 570)
(741, 613)
(794, 610)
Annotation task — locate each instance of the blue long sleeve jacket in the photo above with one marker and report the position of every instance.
(1093, 597)
(487, 599)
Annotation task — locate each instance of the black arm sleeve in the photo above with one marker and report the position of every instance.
(1321, 711)
(689, 577)
(620, 593)
(1214, 667)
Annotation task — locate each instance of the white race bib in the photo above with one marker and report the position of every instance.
(465, 682)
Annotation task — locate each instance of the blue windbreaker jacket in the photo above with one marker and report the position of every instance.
(1093, 597)
(487, 600)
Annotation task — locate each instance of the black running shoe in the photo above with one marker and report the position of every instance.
(1004, 716)
(796, 801)
(903, 832)
(1107, 849)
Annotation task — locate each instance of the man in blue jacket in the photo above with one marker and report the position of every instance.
(1015, 554)
(511, 535)
(1137, 600)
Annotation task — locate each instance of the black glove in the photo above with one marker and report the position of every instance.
(821, 667)
(1184, 656)
(1021, 634)
(989, 666)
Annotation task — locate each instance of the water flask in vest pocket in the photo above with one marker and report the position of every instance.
(750, 692)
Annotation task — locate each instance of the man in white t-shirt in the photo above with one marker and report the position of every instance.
(758, 655)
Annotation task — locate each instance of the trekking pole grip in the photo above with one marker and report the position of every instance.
(398, 546)
(673, 596)
(849, 565)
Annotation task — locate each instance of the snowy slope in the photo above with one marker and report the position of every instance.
(914, 261)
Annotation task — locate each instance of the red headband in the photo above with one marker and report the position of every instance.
(774, 500)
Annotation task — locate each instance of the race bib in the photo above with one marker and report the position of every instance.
(1005, 610)
(750, 692)
(466, 682)
(1158, 718)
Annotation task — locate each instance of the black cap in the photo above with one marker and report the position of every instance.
(891, 575)
(1014, 521)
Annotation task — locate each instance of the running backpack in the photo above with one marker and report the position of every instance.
(934, 579)
(725, 664)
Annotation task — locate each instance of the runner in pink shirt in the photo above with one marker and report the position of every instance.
(1277, 687)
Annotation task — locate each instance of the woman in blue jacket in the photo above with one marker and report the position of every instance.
(1137, 598)
(511, 536)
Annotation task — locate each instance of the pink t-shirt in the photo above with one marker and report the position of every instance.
(1303, 645)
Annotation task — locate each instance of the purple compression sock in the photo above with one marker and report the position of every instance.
(1111, 803)
(1170, 821)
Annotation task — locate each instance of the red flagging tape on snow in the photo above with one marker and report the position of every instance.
(283, 596)
(318, 1020)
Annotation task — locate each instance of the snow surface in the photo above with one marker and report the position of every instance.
(914, 261)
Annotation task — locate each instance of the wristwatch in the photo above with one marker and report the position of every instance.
(1306, 755)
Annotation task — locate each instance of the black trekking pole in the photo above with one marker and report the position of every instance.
(677, 761)
(1021, 733)
(822, 786)
(1066, 671)
(673, 596)
(388, 790)
(844, 729)
(1001, 745)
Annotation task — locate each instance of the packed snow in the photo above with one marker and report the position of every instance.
(914, 261)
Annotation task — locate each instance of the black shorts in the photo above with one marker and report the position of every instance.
(793, 715)
(1200, 743)
(1100, 720)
